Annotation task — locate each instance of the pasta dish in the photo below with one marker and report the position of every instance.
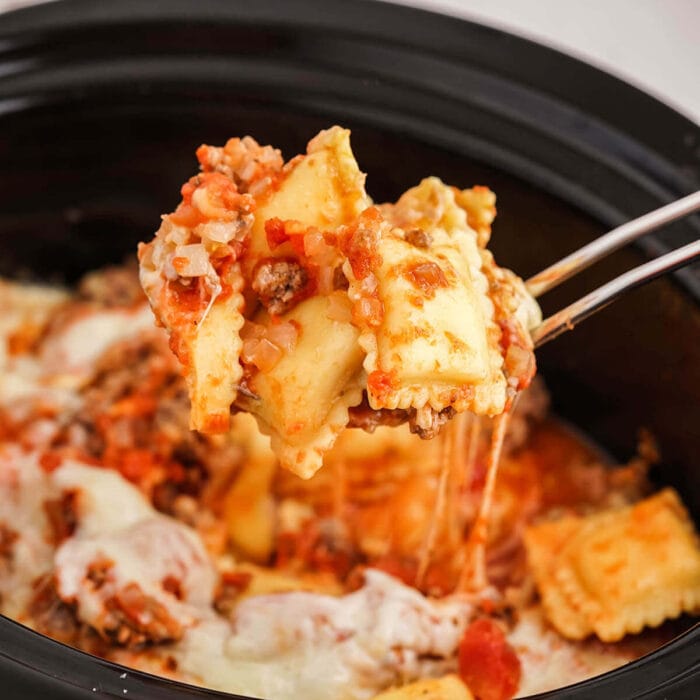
(300, 450)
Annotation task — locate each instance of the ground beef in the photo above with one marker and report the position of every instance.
(133, 619)
(135, 418)
(418, 238)
(365, 417)
(122, 404)
(437, 420)
(340, 281)
(8, 537)
(320, 545)
(98, 572)
(279, 284)
(231, 585)
(62, 516)
(532, 407)
(50, 615)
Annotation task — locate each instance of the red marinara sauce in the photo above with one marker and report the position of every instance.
(381, 383)
(487, 663)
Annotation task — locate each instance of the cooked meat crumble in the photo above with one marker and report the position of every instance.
(427, 423)
(418, 237)
(279, 284)
(61, 514)
(134, 619)
(369, 419)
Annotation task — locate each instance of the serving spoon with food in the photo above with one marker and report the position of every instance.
(289, 294)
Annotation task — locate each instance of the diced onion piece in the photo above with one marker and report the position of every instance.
(284, 335)
(249, 349)
(261, 353)
(369, 284)
(316, 248)
(325, 279)
(259, 186)
(169, 271)
(219, 231)
(313, 243)
(369, 310)
(177, 235)
(191, 260)
(252, 330)
(201, 200)
(248, 171)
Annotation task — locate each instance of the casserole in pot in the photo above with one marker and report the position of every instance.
(116, 149)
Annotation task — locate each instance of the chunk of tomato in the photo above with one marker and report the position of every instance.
(487, 663)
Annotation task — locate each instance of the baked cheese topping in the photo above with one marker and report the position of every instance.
(292, 645)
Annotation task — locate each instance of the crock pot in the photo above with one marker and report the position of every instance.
(102, 105)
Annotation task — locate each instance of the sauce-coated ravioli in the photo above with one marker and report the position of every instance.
(287, 294)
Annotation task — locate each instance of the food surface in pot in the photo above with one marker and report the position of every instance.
(404, 567)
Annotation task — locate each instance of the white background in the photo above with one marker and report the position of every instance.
(654, 44)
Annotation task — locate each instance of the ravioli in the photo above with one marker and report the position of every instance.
(448, 687)
(615, 572)
(302, 401)
(324, 189)
(289, 295)
(428, 343)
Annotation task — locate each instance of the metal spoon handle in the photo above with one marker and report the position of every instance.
(584, 257)
(580, 310)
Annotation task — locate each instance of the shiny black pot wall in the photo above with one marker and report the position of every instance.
(102, 105)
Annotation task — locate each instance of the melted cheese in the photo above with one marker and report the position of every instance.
(117, 525)
(550, 662)
(294, 645)
(23, 490)
(70, 353)
(25, 309)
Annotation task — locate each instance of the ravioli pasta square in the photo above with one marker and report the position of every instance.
(431, 344)
(324, 189)
(615, 572)
(303, 400)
